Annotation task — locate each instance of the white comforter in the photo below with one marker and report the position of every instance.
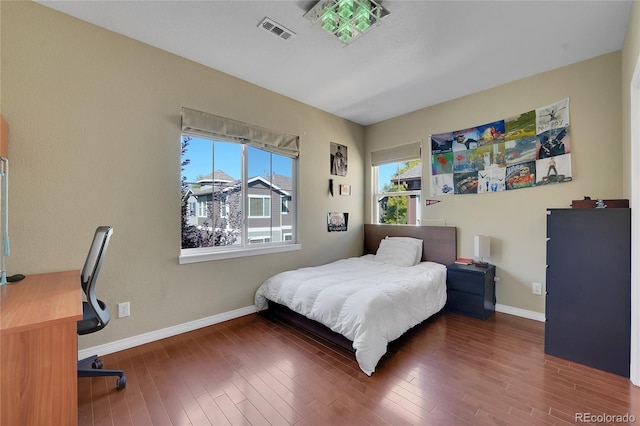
(370, 303)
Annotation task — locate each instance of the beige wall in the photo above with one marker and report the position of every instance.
(94, 139)
(515, 220)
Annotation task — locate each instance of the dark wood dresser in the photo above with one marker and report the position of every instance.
(588, 298)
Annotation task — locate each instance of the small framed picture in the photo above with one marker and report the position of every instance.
(338, 159)
(337, 221)
(345, 189)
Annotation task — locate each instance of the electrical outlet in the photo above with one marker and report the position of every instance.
(123, 310)
(537, 288)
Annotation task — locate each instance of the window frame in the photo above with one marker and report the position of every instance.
(202, 254)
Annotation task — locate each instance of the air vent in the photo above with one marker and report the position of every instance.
(275, 28)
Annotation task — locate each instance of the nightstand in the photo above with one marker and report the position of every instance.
(471, 290)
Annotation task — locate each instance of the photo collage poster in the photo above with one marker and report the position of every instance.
(527, 150)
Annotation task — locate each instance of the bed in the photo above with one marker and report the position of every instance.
(363, 303)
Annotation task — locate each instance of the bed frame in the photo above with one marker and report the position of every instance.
(439, 245)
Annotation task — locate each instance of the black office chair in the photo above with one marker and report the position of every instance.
(95, 314)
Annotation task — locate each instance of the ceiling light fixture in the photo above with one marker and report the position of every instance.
(346, 19)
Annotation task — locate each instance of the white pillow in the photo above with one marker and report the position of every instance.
(415, 241)
(396, 252)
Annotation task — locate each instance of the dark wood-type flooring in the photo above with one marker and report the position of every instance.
(451, 370)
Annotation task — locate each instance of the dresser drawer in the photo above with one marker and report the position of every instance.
(466, 282)
(466, 303)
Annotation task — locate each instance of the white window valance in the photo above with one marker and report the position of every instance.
(209, 125)
(396, 154)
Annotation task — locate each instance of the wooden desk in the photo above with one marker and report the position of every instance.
(39, 349)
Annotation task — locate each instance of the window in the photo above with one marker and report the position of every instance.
(202, 208)
(284, 208)
(397, 174)
(239, 189)
(224, 207)
(259, 206)
(214, 175)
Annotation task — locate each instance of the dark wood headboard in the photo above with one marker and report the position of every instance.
(439, 241)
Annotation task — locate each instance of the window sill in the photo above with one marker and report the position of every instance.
(206, 254)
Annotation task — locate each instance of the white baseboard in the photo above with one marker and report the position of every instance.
(152, 336)
(520, 312)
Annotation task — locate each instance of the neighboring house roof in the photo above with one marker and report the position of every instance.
(205, 189)
(282, 181)
(218, 176)
(413, 173)
(279, 183)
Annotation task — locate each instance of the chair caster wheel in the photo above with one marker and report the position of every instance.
(121, 383)
(97, 364)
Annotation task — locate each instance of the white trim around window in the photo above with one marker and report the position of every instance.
(205, 254)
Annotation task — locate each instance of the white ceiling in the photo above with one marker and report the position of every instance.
(423, 53)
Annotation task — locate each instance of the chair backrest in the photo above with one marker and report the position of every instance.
(92, 268)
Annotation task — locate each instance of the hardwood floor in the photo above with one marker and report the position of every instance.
(451, 370)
